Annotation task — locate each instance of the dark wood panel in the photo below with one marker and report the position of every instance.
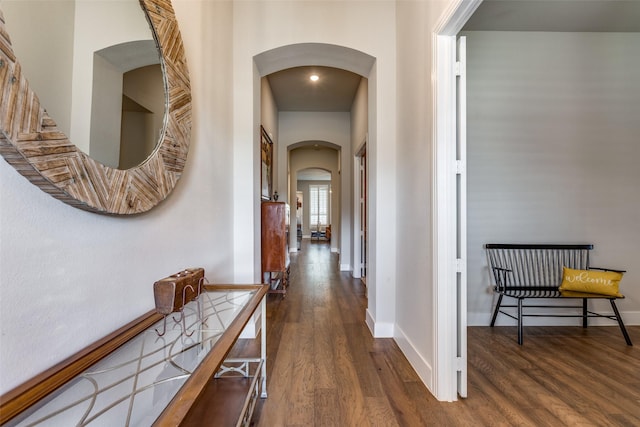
(274, 236)
(220, 403)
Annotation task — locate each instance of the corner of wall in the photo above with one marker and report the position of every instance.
(416, 360)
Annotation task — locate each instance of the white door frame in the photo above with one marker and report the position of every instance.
(444, 203)
(357, 210)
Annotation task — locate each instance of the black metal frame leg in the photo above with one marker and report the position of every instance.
(520, 326)
(620, 323)
(497, 310)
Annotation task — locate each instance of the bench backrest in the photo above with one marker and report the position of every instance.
(534, 265)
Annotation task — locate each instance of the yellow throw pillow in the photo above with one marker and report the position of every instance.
(591, 281)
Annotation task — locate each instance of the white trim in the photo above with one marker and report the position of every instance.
(369, 321)
(356, 217)
(418, 363)
(444, 197)
(454, 18)
(484, 319)
(444, 226)
(379, 329)
(630, 318)
(461, 209)
(357, 196)
(345, 267)
(383, 330)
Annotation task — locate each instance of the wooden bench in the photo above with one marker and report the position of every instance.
(534, 271)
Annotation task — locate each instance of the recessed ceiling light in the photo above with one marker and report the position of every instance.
(314, 77)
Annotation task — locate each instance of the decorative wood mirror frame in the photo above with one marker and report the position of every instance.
(31, 142)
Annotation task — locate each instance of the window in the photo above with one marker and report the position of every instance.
(319, 204)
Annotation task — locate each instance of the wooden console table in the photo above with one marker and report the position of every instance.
(136, 377)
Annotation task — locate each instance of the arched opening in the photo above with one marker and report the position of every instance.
(318, 131)
(314, 176)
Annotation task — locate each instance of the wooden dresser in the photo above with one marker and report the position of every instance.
(275, 246)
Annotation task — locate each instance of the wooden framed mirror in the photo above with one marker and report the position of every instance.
(34, 145)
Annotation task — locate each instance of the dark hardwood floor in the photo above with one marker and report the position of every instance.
(325, 369)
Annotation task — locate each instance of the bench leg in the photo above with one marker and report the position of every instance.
(619, 318)
(584, 313)
(520, 331)
(495, 312)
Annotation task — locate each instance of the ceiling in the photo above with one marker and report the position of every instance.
(294, 91)
(556, 15)
(336, 88)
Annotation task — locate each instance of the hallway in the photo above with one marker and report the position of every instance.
(325, 369)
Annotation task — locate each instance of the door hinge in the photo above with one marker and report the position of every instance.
(459, 265)
(460, 364)
(459, 167)
(459, 68)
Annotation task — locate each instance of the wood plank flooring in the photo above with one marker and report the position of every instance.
(325, 369)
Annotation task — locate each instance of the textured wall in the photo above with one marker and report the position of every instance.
(553, 150)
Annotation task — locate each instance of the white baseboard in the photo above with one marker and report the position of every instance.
(379, 329)
(370, 322)
(419, 364)
(484, 319)
(335, 250)
(345, 267)
(631, 318)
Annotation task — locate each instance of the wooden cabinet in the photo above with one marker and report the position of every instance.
(275, 245)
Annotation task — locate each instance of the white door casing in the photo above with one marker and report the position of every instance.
(461, 187)
(449, 266)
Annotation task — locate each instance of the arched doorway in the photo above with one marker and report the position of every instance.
(363, 125)
(294, 129)
(314, 171)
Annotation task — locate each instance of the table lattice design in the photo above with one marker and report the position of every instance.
(133, 385)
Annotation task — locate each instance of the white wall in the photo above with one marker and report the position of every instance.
(141, 86)
(98, 24)
(359, 131)
(69, 277)
(78, 28)
(415, 318)
(105, 112)
(269, 120)
(553, 150)
(27, 23)
(88, 274)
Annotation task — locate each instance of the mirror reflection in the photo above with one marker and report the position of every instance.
(98, 75)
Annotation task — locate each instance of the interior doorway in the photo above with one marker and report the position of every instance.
(360, 214)
(294, 125)
(299, 218)
(449, 225)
